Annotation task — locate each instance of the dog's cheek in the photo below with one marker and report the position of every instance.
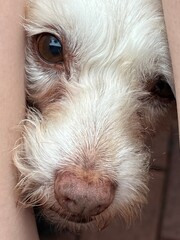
(85, 137)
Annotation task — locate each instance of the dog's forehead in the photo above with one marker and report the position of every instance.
(121, 24)
(130, 32)
(96, 16)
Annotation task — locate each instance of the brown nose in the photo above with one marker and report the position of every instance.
(79, 196)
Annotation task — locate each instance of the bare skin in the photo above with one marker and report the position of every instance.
(172, 19)
(15, 223)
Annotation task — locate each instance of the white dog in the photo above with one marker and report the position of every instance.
(99, 81)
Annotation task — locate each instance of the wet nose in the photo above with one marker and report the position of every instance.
(79, 196)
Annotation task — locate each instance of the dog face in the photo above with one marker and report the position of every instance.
(98, 82)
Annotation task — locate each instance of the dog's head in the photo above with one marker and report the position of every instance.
(98, 82)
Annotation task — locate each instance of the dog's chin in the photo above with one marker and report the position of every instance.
(79, 219)
(75, 223)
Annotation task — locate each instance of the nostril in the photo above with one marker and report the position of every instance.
(97, 210)
(67, 199)
(71, 205)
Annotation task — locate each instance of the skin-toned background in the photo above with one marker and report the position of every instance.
(14, 224)
(172, 19)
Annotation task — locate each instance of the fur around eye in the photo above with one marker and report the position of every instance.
(49, 48)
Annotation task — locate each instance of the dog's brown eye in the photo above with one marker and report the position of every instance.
(162, 89)
(50, 48)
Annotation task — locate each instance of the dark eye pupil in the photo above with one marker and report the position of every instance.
(50, 48)
(163, 90)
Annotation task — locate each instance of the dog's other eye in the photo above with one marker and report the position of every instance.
(49, 48)
(162, 89)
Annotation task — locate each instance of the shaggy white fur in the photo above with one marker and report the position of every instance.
(93, 110)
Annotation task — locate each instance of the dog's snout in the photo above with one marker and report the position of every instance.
(82, 197)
